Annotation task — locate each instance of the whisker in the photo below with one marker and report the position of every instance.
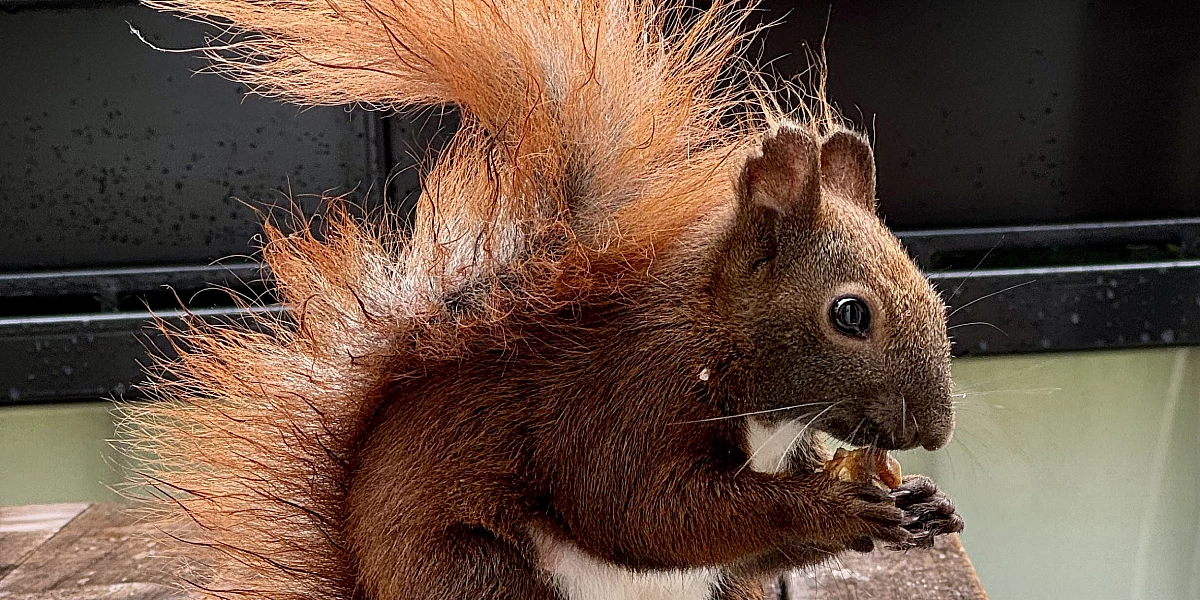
(861, 422)
(976, 268)
(986, 296)
(953, 327)
(801, 432)
(978, 408)
(1008, 375)
(754, 452)
(749, 414)
(960, 446)
(967, 393)
(917, 424)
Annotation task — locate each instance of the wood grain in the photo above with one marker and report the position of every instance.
(100, 552)
(940, 573)
(24, 528)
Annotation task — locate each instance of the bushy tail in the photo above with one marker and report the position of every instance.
(591, 104)
(593, 131)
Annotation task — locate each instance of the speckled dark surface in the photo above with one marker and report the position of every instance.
(1013, 113)
(114, 154)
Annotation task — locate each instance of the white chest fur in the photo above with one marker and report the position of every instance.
(580, 576)
(769, 445)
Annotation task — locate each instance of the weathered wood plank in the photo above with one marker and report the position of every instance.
(118, 591)
(100, 554)
(103, 554)
(941, 573)
(24, 528)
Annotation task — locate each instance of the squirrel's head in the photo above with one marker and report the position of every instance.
(829, 312)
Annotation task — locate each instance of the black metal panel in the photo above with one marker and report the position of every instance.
(983, 113)
(123, 175)
(83, 334)
(1054, 245)
(1016, 112)
(12, 6)
(63, 358)
(113, 154)
(1074, 308)
(130, 289)
(82, 357)
(1066, 287)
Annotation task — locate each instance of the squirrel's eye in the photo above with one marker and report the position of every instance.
(851, 316)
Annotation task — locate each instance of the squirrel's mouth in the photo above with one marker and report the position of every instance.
(866, 432)
(864, 463)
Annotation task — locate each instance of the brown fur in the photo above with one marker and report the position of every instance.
(606, 266)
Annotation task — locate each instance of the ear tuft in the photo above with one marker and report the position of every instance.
(785, 176)
(848, 166)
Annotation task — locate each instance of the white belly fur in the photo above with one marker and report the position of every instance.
(580, 576)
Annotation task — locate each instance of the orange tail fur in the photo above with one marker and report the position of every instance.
(590, 105)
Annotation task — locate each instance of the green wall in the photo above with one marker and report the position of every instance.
(56, 453)
(1078, 474)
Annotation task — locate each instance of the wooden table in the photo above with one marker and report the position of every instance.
(97, 552)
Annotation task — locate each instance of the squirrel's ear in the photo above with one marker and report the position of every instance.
(785, 176)
(848, 166)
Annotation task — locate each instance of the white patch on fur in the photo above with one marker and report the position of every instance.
(768, 445)
(580, 576)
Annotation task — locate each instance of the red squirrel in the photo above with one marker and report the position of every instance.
(599, 366)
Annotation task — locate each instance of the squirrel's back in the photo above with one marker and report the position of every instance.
(593, 134)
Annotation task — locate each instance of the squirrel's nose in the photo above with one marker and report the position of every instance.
(936, 433)
(934, 418)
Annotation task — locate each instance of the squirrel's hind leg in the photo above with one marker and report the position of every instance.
(465, 563)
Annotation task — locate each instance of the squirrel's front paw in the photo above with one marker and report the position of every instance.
(874, 516)
(928, 512)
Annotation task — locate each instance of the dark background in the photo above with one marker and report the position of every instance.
(1053, 146)
(1018, 112)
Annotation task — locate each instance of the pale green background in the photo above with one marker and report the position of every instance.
(1078, 474)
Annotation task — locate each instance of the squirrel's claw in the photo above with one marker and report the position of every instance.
(928, 511)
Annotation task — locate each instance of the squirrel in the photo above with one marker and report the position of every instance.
(600, 364)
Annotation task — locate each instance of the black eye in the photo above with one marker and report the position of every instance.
(851, 316)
